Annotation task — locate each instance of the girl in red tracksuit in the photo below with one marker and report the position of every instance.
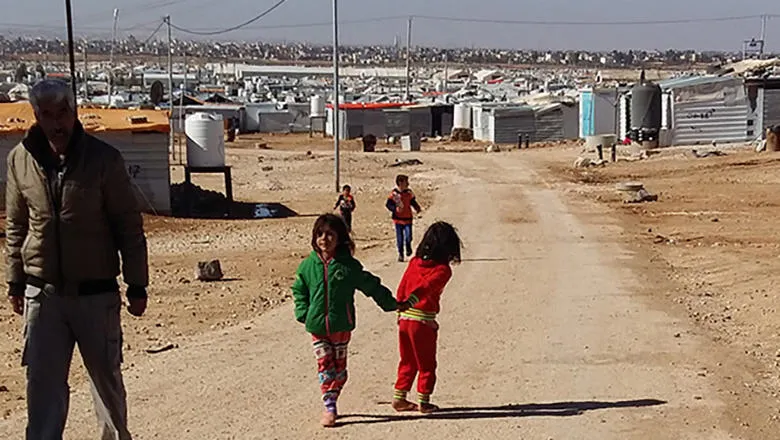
(421, 287)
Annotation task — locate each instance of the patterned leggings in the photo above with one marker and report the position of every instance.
(331, 353)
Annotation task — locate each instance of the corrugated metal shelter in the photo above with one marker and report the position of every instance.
(597, 111)
(764, 101)
(555, 122)
(431, 119)
(253, 112)
(374, 122)
(771, 113)
(504, 124)
(704, 109)
(421, 120)
(397, 122)
(267, 117)
(358, 119)
(144, 148)
(480, 117)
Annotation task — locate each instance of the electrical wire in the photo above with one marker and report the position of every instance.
(233, 28)
(212, 31)
(153, 33)
(591, 23)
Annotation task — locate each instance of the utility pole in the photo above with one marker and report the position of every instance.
(763, 35)
(181, 103)
(111, 59)
(408, 58)
(71, 52)
(446, 74)
(336, 111)
(170, 84)
(86, 74)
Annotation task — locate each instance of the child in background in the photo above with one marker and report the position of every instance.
(400, 202)
(324, 294)
(422, 286)
(346, 205)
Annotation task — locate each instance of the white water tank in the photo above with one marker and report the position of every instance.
(205, 140)
(462, 116)
(317, 106)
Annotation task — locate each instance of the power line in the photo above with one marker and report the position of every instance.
(322, 23)
(230, 29)
(592, 23)
(212, 31)
(91, 28)
(154, 33)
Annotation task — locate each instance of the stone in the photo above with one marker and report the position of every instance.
(582, 162)
(209, 271)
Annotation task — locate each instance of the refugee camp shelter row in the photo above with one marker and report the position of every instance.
(228, 111)
(357, 120)
(425, 119)
(143, 144)
(392, 119)
(500, 123)
(269, 117)
(705, 109)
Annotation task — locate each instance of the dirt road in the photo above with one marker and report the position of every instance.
(545, 334)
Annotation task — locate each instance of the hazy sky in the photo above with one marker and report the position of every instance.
(46, 17)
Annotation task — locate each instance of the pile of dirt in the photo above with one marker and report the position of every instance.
(203, 203)
(462, 135)
(207, 204)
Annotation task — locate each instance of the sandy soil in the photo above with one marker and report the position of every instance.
(561, 323)
(712, 234)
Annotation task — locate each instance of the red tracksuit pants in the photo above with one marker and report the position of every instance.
(417, 346)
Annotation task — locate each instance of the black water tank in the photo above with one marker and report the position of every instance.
(646, 107)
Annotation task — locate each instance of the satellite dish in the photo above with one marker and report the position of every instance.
(156, 94)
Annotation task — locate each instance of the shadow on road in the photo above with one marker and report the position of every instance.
(557, 409)
(482, 260)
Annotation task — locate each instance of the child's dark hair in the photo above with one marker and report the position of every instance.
(401, 178)
(338, 226)
(346, 188)
(440, 243)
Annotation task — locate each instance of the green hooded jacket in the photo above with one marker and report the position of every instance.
(325, 294)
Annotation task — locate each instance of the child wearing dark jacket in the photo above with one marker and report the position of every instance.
(400, 203)
(324, 295)
(346, 205)
(421, 287)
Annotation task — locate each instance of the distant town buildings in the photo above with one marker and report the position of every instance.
(254, 52)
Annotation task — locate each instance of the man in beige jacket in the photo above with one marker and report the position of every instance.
(71, 211)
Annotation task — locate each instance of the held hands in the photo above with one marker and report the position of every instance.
(17, 302)
(404, 306)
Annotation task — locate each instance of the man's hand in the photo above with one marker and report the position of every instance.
(136, 306)
(403, 306)
(17, 302)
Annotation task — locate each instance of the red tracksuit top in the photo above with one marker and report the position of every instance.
(422, 285)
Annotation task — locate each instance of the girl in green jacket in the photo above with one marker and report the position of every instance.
(324, 293)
